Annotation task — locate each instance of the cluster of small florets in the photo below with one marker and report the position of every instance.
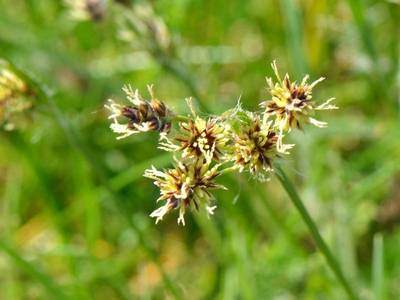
(87, 9)
(206, 147)
(13, 100)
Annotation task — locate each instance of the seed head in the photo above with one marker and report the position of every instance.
(291, 103)
(256, 145)
(186, 186)
(141, 116)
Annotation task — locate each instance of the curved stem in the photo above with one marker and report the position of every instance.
(296, 200)
(228, 170)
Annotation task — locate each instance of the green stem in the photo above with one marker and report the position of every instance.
(296, 200)
(229, 170)
(180, 118)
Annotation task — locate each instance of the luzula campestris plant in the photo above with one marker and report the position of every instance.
(204, 148)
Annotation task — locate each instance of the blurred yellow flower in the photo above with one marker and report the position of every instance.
(12, 100)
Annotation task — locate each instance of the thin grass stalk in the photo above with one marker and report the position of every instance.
(312, 227)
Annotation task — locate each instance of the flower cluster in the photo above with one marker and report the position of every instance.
(291, 103)
(13, 102)
(87, 9)
(186, 185)
(206, 147)
(140, 116)
(255, 144)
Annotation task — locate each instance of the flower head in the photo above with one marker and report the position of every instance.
(87, 9)
(187, 185)
(256, 145)
(292, 103)
(199, 138)
(12, 100)
(141, 116)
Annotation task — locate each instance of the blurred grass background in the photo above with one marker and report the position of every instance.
(74, 206)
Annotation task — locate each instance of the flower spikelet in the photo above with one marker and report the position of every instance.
(185, 186)
(140, 116)
(292, 103)
(256, 145)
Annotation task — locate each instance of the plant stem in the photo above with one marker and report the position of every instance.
(180, 118)
(298, 203)
(229, 170)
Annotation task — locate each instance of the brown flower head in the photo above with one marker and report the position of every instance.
(142, 116)
(187, 185)
(199, 138)
(292, 103)
(256, 145)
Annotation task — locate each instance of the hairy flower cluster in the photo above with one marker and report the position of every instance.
(140, 116)
(199, 139)
(186, 185)
(255, 145)
(206, 147)
(12, 97)
(199, 144)
(291, 103)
